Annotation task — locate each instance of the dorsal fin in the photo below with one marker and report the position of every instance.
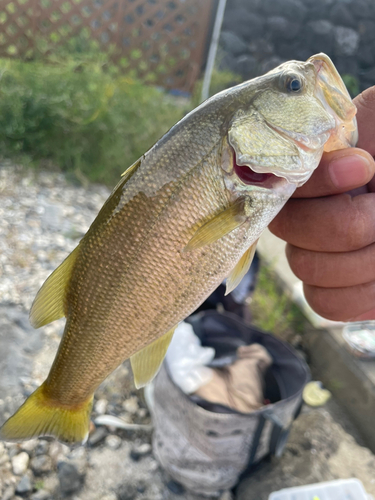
(130, 170)
(146, 363)
(48, 304)
(241, 268)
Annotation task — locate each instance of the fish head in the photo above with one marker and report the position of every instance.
(284, 122)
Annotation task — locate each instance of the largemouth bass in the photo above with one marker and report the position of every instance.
(185, 216)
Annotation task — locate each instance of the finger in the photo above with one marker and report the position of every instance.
(365, 103)
(334, 224)
(333, 270)
(366, 316)
(341, 304)
(338, 172)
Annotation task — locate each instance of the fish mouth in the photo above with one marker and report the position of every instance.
(307, 153)
(334, 96)
(250, 177)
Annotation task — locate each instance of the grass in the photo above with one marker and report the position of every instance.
(83, 118)
(272, 309)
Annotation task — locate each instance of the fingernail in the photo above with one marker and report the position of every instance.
(349, 171)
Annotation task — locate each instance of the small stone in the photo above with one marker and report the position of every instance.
(4, 458)
(153, 466)
(58, 451)
(97, 436)
(8, 493)
(42, 448)
(24, 486)
(13, 450)
(78, 457)
(226, 495)
(131, 405)
(127, 492)
(41, 464)
(109, 496)
(113, 442)
(141, 486)
(142, 413)
(175, 487)
(101, 406)
(69, 478)
(20, 463)
(140, 451)
(41, 495)
(29, 445)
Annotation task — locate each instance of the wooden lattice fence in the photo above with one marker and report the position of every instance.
(161, 41)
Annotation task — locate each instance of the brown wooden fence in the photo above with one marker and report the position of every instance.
(161, 41)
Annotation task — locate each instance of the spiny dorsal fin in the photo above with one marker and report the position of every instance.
(222, 224)
(48, 304)
(241, 268)
(130, 170)
(146, 363)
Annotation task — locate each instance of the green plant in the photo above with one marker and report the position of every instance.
(81, 116)
(272, 309)
(352, 84)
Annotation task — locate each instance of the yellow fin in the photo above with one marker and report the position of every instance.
(241, 268)
(48, 304)
(130, 170)
(146, 363)
(219, 226)
(41, 416)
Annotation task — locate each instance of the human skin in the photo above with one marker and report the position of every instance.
(329, 227)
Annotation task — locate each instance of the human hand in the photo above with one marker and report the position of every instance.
(331, 233)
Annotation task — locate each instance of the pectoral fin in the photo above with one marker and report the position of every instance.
(146, 363)
(242, 266)
(48, 304)
(219, 226)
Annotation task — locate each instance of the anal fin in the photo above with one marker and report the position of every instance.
(146, 363)
(241, 268)
(222, 224)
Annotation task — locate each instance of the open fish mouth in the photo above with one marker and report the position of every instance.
(250, 177)
(259, 180)
(297, 171)
(335, 98)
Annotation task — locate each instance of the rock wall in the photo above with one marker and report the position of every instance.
(257, 35)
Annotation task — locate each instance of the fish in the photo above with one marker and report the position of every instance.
(182, 218)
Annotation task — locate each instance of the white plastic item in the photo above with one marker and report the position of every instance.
(186, 359)
(342, 489)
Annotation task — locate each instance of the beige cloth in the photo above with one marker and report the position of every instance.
(239, 386)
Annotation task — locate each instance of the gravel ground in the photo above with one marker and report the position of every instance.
(42, 218)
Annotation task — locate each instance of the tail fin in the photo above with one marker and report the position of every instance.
(41, 416)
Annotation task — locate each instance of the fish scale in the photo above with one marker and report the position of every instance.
(184, 217)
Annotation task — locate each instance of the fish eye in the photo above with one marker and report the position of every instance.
(294, 84)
